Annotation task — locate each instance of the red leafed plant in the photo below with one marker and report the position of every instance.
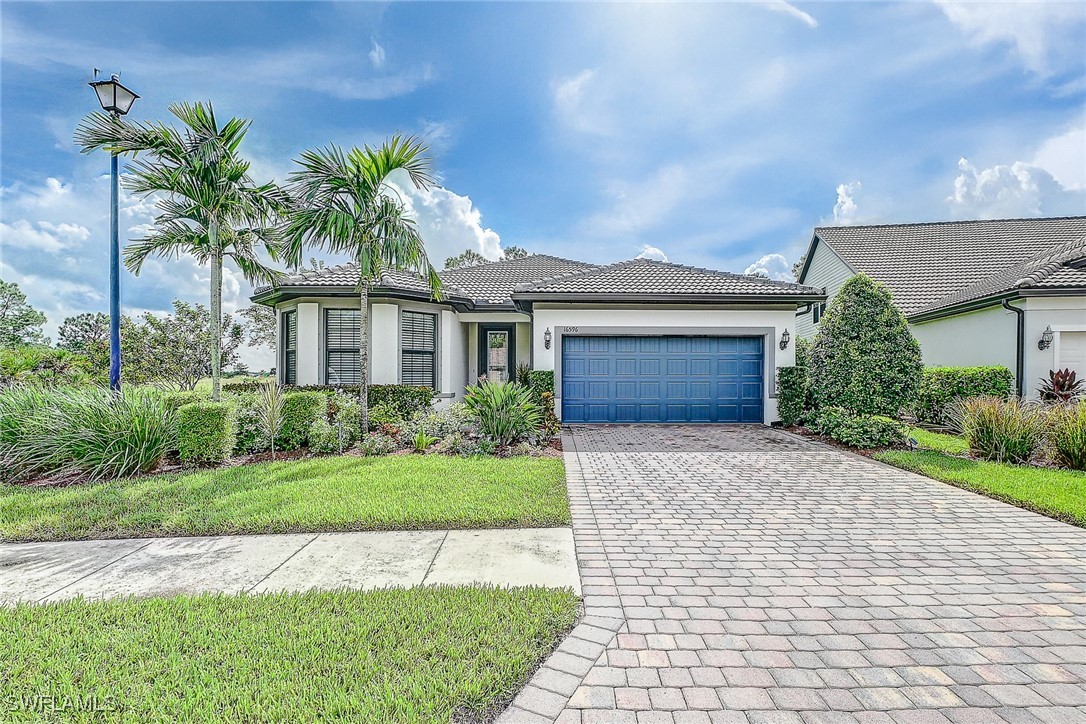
(1061, 386)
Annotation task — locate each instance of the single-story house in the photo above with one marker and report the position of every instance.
(636, 341)
(1006, 292)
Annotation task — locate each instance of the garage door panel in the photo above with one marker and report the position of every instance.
(662, 379)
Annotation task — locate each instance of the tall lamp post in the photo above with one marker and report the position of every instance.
(118, 100)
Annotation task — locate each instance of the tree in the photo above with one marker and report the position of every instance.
(174, 350)
(344, 204)
(470, 257)
(514, 252)
(864, 358)
(797, 268)
(259, 325)
(20, 323)
(211, 209)
(84, 332)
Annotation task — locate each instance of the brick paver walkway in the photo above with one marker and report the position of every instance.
(738, 574)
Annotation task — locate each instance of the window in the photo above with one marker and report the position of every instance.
(819, 310)
(290, 347)
(341, 343)
(418, 343)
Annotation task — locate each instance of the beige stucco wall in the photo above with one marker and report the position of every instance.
(986, 337)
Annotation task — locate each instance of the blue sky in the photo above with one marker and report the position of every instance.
(717, 135)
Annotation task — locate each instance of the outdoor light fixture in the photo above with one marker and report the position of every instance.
(784, 340)
(118, 100)
(113, 96)
(1046, 338)
(547, 339)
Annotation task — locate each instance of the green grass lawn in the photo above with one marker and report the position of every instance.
(396, 655)
(398, 492)
(1053, 492)
(941, 442)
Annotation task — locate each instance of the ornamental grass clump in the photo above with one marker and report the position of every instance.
(506, 411)
(1067, 435)
(1004, 430)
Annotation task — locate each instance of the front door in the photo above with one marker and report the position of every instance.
(497, 352)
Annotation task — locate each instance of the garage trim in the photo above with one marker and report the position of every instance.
(768, 333)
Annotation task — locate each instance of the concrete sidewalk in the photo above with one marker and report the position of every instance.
(39, 572)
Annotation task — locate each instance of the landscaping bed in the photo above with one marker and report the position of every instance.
(321, 494)
(396, 655)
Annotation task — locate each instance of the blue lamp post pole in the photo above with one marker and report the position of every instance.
(118, 100)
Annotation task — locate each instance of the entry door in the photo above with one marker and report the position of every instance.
(497, 352)
(662, 379)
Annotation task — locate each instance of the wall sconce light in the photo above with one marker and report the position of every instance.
(784, 340)
(547, 339)
(1046, 338)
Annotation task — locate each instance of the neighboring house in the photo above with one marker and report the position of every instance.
(637, 341)
(1006, 292)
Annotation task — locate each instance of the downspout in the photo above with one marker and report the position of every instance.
(1020, 347)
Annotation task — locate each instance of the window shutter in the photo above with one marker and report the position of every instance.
(341, 344)
(418, 345)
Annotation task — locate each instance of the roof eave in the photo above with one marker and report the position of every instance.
(271, 296)
(990, 300)
(599, 297)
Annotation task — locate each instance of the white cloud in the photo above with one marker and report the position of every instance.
(774, 266)
(1044, 34)
(652, 252)
(579, 103)
(1011, 190)
(1064, 157)
(845, 211)
(448, 222)
(640, 206)
(788, 8)
(377, 55)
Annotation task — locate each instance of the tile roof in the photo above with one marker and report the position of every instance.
(494, 282)
(922, 263)
(645, 277)
(1059, 268)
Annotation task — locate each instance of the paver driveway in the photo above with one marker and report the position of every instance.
(736, 574)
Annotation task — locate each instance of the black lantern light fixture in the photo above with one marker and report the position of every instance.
(547, 339)
(1046, 338)
(784, 340)
(113, 96)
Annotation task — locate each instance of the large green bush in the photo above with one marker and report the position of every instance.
(205, 432)
(300, 411)
(84, 430)
(43, 366)
(250, 437)
(506, 411)
(791, 394)
(1067, 435)
(540, 381)
(864, 358)
(406, 400)
(941, 386)
(857, 430)
(1001, 429)
(176, 400)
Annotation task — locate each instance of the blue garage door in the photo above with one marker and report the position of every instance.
(662, 379)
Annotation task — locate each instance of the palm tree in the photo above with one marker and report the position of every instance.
(211, 209)
(343, 203)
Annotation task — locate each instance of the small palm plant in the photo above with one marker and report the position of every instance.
(270, 410)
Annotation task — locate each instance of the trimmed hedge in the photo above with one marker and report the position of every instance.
(205, 432)
(860, 431)
(940, 386)
(864, 357)
(540, 381)
(300, 411)
(404, 399)
(175, 400)
(792, 388)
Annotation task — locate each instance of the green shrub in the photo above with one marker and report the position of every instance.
(345, 414)
(551, 425)
(250, 436)
(791, 394)
(941, 386)
(1067, 435)
(996, 428)
(441, 423)
(506, 411)
(384, 414)
(82, 431)
(205, 432)
(421, 441)
(44, 366)
(374, 443)
(539, 381)
(864, 357)
(324, 437)
(176, 400)
(300, 411)
(1061, 386)
(406, 399)
(270, 404)
(859, 431)
(803, 353)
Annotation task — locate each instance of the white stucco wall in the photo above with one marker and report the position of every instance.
(829, 271)
(384, 344)
(648, 319)
(309, 358)
(986, 337)
(1064, 315)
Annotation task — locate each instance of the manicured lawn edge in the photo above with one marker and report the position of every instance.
(316, 495)
(392, 655)
(1052, 492)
